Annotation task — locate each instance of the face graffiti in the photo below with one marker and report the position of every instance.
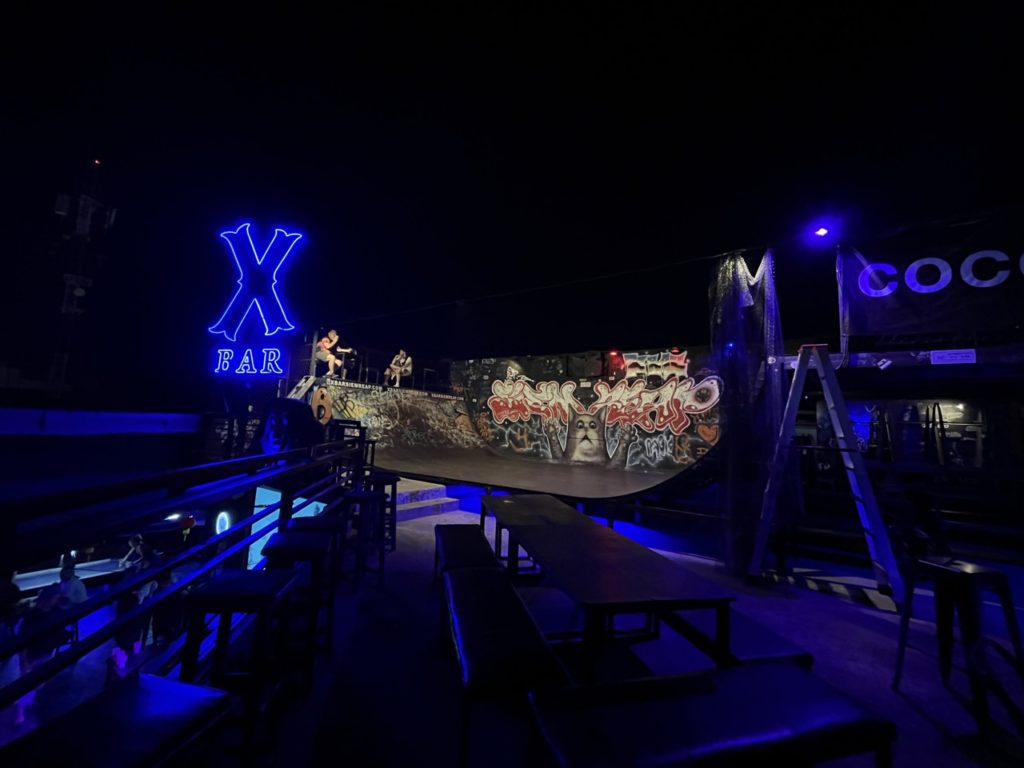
(585, 441)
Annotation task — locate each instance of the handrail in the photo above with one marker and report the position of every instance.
(90, 605)
(122, 512)
(309, 458)
(174, 481)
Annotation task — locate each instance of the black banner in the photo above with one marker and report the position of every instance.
(956, 285)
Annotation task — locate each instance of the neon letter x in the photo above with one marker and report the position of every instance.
(257, 282)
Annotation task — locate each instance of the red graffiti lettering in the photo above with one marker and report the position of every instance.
(518, 401)
(652, 410)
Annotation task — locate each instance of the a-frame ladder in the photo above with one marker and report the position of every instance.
(879, 547)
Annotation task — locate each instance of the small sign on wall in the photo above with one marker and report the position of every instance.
(953, 356)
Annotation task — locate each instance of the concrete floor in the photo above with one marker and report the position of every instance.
(394, 696)
(389, 696)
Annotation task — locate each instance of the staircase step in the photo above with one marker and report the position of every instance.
(416, 490)
(426, 507)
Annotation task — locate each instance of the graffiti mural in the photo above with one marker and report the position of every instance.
(638, 411)
(645, 411)
(403, 417)
(662, 365)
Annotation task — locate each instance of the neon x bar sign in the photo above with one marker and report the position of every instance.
(256, 300)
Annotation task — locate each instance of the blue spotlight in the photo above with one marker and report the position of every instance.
(823, 231)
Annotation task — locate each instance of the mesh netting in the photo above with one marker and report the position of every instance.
(746, 343)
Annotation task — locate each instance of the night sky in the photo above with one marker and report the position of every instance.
(461, 158)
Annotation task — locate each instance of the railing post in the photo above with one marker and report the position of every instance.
(285, 515)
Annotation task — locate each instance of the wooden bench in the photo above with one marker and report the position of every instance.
(501, 651)
(139, 721)
(765, 713)
(462, 546)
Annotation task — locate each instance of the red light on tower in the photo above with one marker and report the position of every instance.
(674, 350)
(96, 161)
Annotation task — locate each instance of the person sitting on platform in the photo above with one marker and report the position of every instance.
(72, 590)
(140, 555)
(401, 365)
(135, 555)
(328, 349)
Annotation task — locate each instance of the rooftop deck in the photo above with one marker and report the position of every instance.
(390, 696)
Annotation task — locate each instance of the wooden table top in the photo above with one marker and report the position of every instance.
(599, 567)
(533, 509)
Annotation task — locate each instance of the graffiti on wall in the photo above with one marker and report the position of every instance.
(649, 413)
(644, 412)
(397, 417)
(662, 365)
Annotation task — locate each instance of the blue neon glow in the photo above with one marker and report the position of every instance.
(271, 358)
(224, 358)
(42, 421)
(823, 232)
(257, 282)
(247, 365)
(222, 523)
(270, 361)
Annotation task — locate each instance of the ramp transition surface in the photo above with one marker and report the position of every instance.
(525, 425)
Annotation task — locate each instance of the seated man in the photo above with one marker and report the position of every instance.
(328, 349)
(401, 365)
(72, 590)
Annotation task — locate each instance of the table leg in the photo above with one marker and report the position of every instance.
(723, 631)
(483, 507)
(944, 606)
(1012, 626)
(498, 538)
(595, 629)
(969, 610)
(513, 552)
(220, 648)
(193, 640)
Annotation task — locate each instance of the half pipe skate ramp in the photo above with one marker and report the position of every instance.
(520, 425)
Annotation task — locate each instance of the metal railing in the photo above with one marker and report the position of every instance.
(149, 499)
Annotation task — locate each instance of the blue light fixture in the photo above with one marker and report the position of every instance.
(823, 231)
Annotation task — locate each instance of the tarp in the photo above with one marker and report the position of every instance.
(953, 285)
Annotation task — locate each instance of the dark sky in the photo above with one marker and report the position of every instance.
(433, 156)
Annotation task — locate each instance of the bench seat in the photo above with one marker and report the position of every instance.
(501, 651)
(143, 720)
(772, 712)
(462, 546)
(498, 644)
